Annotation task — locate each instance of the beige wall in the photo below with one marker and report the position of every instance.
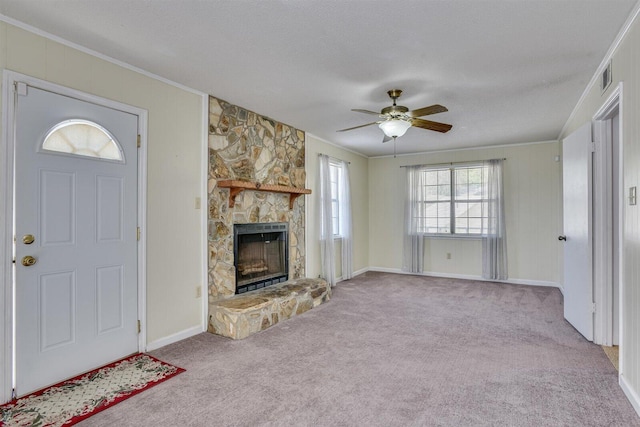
(360, 204)
(533, 214)
(625, 65)
(175, 136)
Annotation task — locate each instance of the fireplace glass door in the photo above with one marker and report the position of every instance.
(261, 255)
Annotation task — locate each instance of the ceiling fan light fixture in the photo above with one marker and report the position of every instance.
(394, 128)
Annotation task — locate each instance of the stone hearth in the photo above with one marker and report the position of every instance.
(245, 314)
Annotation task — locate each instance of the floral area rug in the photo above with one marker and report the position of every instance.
(76, 399)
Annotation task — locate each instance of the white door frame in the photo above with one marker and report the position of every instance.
(603, 219)
(7, 143)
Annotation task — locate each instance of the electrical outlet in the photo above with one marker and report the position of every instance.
(448, 255)
(198, 291)
(198, 203)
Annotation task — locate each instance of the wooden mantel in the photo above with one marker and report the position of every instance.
(236, 187)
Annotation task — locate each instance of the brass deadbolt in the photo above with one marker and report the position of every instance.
(28, 261)
(28, 239)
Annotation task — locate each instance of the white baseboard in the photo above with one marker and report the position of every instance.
(178, 336)
(468, 277)
(531, 283)
(355, 273)
(630, 393)
(361, 271)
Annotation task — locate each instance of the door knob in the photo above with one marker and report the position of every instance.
(28, 261)
(562, 238)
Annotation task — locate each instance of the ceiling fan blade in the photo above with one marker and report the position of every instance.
(356, 127)
(386, 139)
(425, 111)
(358, 110)
(428, 124)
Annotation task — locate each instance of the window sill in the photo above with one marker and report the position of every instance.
(452, 236)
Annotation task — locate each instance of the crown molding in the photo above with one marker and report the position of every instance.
(41, 33)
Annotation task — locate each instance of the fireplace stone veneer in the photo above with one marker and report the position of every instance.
(245, 146)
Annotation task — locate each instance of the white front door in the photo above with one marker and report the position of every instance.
(577, 200)
(75, 229)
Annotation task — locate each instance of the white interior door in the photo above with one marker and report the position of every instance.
(577, 207)
(76, 198)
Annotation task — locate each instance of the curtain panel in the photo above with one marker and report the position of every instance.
(494, 233)
(327, 249)
(346, 222)
(413, 250)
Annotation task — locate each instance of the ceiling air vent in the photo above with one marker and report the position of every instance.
(605, 77)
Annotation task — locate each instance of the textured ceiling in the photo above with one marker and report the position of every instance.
(509, 71)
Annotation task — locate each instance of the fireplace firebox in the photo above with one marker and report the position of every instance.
(261, 255)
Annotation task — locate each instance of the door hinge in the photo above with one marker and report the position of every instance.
(139, 141)
(593, 147)
(139, 326)
(138, 233)
(14, 395)
(593, 307)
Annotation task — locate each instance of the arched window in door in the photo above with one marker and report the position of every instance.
(83, 138)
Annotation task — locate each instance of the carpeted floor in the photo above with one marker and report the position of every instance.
(393, 350)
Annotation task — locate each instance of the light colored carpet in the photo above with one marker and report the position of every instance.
(393, 350)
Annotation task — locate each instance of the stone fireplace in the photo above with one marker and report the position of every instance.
(261, 255)
(256, 183)
(248, 147)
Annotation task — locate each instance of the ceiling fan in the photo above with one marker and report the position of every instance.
(396, 119)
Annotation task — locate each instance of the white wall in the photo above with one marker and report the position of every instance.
(532, 180)
(625, 65)
(360, 204)
(175, 177)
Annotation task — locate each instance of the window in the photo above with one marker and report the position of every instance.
(82, 138)
(453, 200)
(335, 174)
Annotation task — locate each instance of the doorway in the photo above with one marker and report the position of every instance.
(74, 206)
(608, 219)
(593, 217)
